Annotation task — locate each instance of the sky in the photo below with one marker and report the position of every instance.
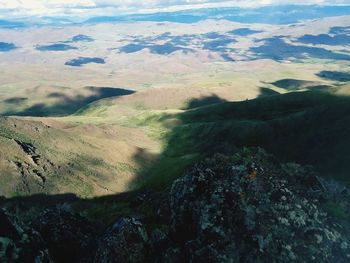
(28, 8)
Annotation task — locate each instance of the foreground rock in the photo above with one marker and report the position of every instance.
(19, 243)
(68, 236)
(126, 241)
(244, 208)
(250, 209)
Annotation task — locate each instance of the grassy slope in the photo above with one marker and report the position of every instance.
(307, 127)
(114, 143)
(83, 159)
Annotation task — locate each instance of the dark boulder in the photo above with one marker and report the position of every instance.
(125, 241)
(249, 208)
(20, 243)
(7, 229)
(68, 236)
(246, 208)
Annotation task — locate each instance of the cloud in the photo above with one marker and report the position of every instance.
(10, 8)
(22, 8)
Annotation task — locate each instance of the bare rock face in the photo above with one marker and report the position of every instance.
(244, 208)
(248, 208)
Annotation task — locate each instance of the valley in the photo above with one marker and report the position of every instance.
(93, 107)
(174, 131)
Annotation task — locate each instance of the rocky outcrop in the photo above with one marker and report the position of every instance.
(33, 171)
(30, 150)
(251, 209)
(125, 241)
(68, 236)
(243, 208)
(20, 244)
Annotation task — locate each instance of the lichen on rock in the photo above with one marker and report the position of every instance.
(242, 208)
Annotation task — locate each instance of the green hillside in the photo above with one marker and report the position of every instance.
(306, 127)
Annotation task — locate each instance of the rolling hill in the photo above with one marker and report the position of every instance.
(209, 135)
(114, 145)
(306, 127)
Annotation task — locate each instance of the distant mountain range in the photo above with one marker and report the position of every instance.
(281, 14)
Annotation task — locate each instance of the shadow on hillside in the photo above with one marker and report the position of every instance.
(311, 128)
(204, 101)
(306, 127)
(334, 75)
(325, 39)
(278, 49)
(267, 92)
(298, 84)
(67, 105)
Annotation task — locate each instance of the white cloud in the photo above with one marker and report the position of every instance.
(41, 7)
(13, 8)
(32, 4)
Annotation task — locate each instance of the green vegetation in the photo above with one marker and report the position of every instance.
(151, 148)
(269, 211)
(307, 127)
